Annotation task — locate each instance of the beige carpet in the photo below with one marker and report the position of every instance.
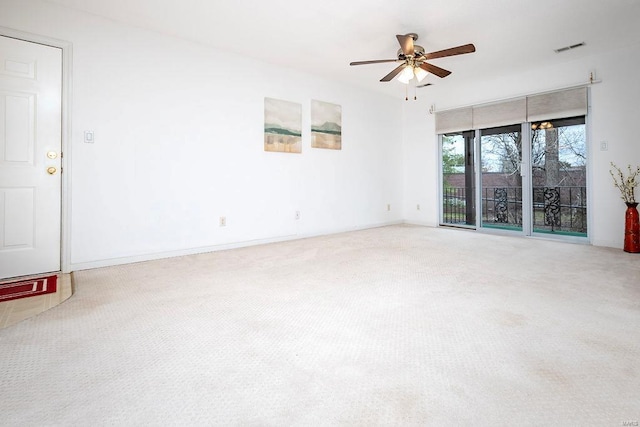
(391, 326)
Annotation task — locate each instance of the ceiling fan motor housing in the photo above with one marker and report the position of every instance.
(418, 51)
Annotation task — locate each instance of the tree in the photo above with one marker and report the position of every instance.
(502, 152)
(451, 161)
(555, 152)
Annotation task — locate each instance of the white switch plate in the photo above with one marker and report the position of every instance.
(88, 137)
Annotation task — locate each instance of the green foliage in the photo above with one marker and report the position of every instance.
(451, 161)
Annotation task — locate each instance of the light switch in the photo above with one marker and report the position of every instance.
(88, 136)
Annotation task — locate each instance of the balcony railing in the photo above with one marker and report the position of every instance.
(561, 209)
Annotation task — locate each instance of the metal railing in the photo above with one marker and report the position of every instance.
(454, 206)
(555, 209)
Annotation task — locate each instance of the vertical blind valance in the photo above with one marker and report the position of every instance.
(546, 106)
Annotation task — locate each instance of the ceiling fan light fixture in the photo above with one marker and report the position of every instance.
(542, 125)
(419, 73)
(406, 75)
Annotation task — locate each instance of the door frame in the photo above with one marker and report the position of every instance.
(66, 47)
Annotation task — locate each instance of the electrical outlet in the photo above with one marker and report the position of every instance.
(388, 207)
(223, 221)
(418, 207)
(297, 214)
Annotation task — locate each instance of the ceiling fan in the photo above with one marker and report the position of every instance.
(413, 60)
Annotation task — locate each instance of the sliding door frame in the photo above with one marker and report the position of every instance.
(526, 194)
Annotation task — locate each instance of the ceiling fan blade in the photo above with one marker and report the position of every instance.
(406, 44)
(424, 85)
(392, 74)
(375, 61)
(458, 50)
(440, 72)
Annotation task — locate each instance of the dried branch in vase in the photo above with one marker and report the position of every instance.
(626, 185)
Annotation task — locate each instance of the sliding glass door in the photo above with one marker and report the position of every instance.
(532, 188)
(517, 166)
(559, 177)
(458, 179)
(501, 181)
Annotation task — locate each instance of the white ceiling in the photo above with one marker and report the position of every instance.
(322, 37)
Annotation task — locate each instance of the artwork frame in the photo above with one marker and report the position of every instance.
(326, 125)
(282, 126)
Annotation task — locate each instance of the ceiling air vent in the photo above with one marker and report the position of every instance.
(566, 48)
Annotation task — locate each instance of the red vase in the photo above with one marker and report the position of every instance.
(631, 229)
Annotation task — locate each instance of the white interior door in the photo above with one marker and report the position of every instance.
(30, 157)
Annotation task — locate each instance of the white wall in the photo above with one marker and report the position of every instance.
(612, 118)
(178, 130)
(179, 143)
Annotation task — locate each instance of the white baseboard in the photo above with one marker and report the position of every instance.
(421, 223)
(214, 248)
(616, 244)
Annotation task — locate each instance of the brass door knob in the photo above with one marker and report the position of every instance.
(51, 170)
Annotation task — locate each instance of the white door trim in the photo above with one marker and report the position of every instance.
(65, 230)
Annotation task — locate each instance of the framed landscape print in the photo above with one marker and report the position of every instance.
(326, 125)
(282, 126)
